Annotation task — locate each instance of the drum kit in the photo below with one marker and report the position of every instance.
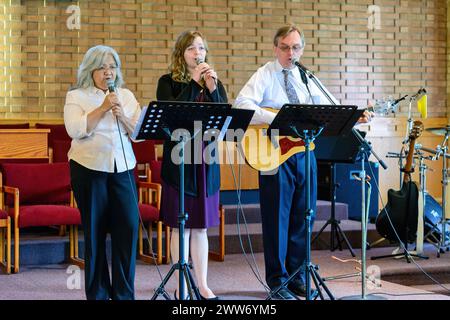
(436, 218)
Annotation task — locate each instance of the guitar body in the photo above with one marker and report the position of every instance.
(402, 207)
(265, 153)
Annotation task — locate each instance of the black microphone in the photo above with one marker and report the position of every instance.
(398, 100)
(303, 70)
(421, 91)
(296, 61)
(111, 85)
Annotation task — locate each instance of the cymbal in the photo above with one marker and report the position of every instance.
(439, 131)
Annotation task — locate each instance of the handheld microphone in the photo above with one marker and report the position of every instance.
(112, 88)
(199, 60)
(111, 85)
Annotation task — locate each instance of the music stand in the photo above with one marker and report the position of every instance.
(182, 121)
(336, 149)
(308, 122)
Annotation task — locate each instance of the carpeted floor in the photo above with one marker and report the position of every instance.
(234, 279)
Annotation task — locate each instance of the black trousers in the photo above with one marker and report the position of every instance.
(107, 202)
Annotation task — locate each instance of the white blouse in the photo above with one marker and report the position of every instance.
(99, 149)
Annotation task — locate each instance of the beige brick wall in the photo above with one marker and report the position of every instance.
(39, 56)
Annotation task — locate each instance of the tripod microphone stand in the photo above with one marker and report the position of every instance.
(365, 147)
(307, 122)
(308, 137)
(340, 149)
(181, 265)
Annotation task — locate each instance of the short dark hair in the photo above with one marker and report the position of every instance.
(285, 30)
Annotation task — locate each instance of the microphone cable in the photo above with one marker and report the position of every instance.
(136, 201)
(240, 211)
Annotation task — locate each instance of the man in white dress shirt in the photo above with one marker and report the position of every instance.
(283, 195)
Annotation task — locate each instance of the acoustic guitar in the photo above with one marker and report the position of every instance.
(264, 153)
(402, 205)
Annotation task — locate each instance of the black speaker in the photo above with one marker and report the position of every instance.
(349, 190)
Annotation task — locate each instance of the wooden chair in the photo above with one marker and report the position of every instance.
(40, 195)
(5, 248)
(145, 153)
(149, 206)
(220, 254)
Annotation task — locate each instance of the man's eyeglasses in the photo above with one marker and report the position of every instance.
(296, 48)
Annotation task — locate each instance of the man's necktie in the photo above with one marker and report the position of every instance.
(290, 91)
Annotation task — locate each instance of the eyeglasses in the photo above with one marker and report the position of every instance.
(105, 67)
(295, 48)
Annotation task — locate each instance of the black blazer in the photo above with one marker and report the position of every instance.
(170, 90)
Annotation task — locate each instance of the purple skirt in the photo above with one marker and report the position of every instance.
(203, 211)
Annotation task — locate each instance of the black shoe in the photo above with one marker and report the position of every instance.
(298, 287)
(203, 298)
(176, 298)
(283, 294)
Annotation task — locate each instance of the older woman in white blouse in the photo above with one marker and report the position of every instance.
(100, 123)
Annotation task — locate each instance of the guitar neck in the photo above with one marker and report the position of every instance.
(409, 161)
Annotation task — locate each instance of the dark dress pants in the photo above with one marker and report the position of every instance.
(283, 206)
(107, 204)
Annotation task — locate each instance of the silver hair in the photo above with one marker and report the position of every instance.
(94, 59)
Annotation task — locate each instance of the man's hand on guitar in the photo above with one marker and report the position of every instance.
(366, 117)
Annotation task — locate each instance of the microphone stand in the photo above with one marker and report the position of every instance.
(365, 149)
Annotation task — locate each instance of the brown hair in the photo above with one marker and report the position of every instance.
(285, 30)
(178, 66)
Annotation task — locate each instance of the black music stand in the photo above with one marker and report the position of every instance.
(337, 149)
(308, 122)
(183, 121)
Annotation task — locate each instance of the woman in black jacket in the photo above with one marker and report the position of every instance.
(192, 79)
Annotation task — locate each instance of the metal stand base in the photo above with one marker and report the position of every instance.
(310, 269)
(366, 297)
(192, 289)
(318, 282)
(404, 254)
(337, 234)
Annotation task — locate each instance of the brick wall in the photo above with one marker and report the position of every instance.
(39, 55)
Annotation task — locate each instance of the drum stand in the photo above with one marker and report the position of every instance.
(442, 149)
